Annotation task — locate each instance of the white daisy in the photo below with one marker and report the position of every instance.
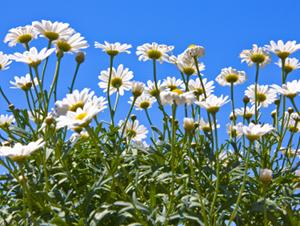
(293, 124)
(154, 51)
(137, 88)
(290, 152)
(235, 130)
(73, 101)
(213, 103)
(283, 50)
(173, 83)
(195, 51)
(230, 76)
(113, 49)
(19, 151)
(246, 113)
(4, 61)
(143, 102)
(290, 64)
(254, 132)
(23, 82)
(188, 124)
(176, 96)
(120, 80)
(77, 120)
(21, 35)
(72, 44)
(151, 89)
(53, 30)
(32, 57)
(133, 130)
(256, 55)
(265, 95)
(289, 89)
(205, 127)
(6, 120)
(266, 175)
(187, 65)
(196, 87)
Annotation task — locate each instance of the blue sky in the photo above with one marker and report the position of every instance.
(224, 28)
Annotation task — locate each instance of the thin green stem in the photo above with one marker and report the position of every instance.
(46, 63)
(111, 62)
(255, 93)
(74, 77)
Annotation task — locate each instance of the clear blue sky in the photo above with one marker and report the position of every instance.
(224, 28)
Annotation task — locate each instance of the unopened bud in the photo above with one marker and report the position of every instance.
(80, 57)
(246, 100)
(49, 120)
(277, 102)
(11, 107)
(290, 110)
(133, 117)
(265, 176)
(188, 124)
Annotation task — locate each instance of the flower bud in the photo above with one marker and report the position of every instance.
(80, 57)
(290, 110)
(265, 176)
(133, 117)
(49, 120)
(11, 107)
(277, 102)
(246, 100)
(195, 51)
(188, 124)
(137, 89)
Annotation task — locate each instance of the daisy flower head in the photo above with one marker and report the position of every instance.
(6, 120)
(32, 57)
(154, 51)
(113, 49)
(77, 120)
(143, 102)
(265, 95)
(151, 90)
(23, 82)
(256, 55)
(289, 89)
(265, 175)
(4, 61)
(187, 65)
(53, 30)
(255, 131)
(205, 126)
(137, 89)
(293, 124)
(73, 101)
(245, 113)
(71, 44)
(290, 152)
(213, 103)
(235, 130)
(195, 51)
(176, 96)
(290, 64)
(19, 152)
(188, 124)
(281, 49)
(120, 80)
(21, 35)
(173, 83)
(230, 76)
(133, 130)
(196, 87)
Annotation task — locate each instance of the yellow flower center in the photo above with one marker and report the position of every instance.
(213, 109)
(188, 70)
(144, 104)
(131, 133)
(154, 54)
(258, 58)
(81, 116)
(288, 68)
(283, 55)
(26, 86)
(112, 52)
(261, 97)
(172, 87)
(178, 91)
(154, 92)
(64, 46)
(231, 78)
(75, 106)
(25, 38)
(116, 82)
(51, 35)
(191, 46)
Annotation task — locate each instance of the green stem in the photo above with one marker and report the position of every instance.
(55, 78)
(46, 63)
(111, 61)
(128, 115)
(74, 77)
(255, 92)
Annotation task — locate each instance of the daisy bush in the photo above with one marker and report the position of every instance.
(74, 161)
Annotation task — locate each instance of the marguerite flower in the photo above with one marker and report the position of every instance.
(254, 132)
(120, 80)
(196, 87)
(230, 76)
(73, 101)
(256, 55)
(133, 130)
(77, 120)
(265, 95)
(173, 83)
(188, 124)
(21, 35)
(19, 152)
(113, 49)
(32, 57)
(290, 64)
(4, 61)
(213, 103)
(235, 130)
(72, 44)
(283, 50)
(195, 51)
(151, 88)
(154, 51)
(290, 152)
(53, 30)
(137, 88)
(23, 82)
(187, 65)
(143, 102)
(6, 120)
(289, 89)
(246, 113)
(176, 96)
(205, 127)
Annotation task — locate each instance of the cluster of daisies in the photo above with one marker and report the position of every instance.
(193, 92)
